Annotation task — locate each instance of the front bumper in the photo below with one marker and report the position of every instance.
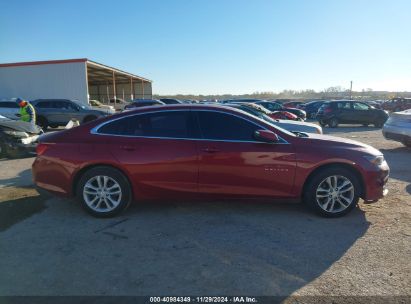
(21, 145)
(376, 184)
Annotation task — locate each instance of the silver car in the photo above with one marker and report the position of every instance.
(398, 127)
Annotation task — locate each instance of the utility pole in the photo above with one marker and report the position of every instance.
(351, 90)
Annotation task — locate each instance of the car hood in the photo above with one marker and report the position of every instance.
(20, 126)
(339, 142)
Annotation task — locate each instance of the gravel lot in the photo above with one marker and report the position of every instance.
(49, 246)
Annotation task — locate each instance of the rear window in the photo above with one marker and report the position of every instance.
(166, 124)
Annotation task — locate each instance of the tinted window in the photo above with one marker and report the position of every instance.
(44, 104)
(9, 105)
(344, 105)
(360, 106)
(221, 126)
(166, 124)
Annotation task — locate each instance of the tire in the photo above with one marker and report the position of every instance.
(407, 143)
(89, 118)
(379, 124)
(43, 123)
(333, 122)
(105, 203)
(365, 125)
(3, 148)
(322, 123)
(328, 202)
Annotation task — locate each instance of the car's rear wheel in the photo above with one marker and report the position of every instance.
(322, 123)
(332, 192)
(333, 122)
(3, 148)
(104, 191)
(406, 143)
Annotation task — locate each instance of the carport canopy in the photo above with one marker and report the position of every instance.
(105, 82)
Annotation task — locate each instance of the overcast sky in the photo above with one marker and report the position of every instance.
(221, 46)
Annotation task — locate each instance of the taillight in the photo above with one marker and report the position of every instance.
(42, 148)
(328, 110)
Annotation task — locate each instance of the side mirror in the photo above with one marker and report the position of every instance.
(266, 136)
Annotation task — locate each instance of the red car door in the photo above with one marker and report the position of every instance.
(158, 151)
(233, 162)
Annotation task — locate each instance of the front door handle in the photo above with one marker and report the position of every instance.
(210, 150)
(127, 148)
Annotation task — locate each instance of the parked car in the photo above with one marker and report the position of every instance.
(138, 103)
(274, 115)
(58, 112)
(17, 138)
(397, 104)
(311, 108)
(241, 100)
(292, 126)
(333, 113)
(293, 104)
(118, 103)
(9, 109)
(204, 151)
(398, 127)
(275, 106)
(171, 101)
(97, 105)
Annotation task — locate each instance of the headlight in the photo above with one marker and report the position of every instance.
(17, 134)
(377, 160)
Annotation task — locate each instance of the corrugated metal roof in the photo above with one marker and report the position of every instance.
(89, 63)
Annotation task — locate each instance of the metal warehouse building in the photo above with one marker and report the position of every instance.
(76, 79)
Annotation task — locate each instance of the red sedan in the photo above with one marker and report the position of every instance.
(204, 152)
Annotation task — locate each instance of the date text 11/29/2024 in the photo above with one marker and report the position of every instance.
(239, 299)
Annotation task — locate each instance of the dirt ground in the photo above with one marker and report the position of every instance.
(49, 246)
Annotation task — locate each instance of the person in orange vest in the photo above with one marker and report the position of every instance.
(27, 111)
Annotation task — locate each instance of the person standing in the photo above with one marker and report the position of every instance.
(27, 111)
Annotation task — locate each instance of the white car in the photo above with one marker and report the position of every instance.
(289, 125)
(10, 109)
(398, 127)
(97, 105)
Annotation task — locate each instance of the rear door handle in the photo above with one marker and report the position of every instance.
(127, 148)
(211, 150)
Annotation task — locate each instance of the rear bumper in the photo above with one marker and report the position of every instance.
(52, 176)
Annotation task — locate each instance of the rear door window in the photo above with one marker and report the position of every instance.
(173, 124)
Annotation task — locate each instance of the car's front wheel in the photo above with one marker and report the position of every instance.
(332, 192)
(104, 191)
(333, 122)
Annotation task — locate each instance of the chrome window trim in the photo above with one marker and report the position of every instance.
(94, 130)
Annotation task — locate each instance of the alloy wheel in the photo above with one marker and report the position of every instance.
(102, 193)
(335, 193)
